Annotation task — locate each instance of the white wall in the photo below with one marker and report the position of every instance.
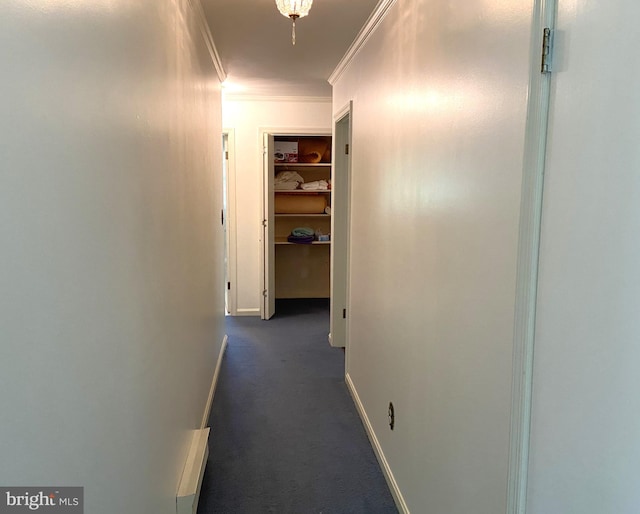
(440, 95)
(247, 117)
(111, 265)
(585, 445)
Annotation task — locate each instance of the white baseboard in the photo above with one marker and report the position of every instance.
(188, 493)
(247, 312)
(191, 481)
(386, 470)
(214, 383)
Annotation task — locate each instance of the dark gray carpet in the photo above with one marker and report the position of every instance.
(285, 434)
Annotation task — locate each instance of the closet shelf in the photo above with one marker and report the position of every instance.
(301, 191)
(300, 215)
(301, 164)
(283, 241)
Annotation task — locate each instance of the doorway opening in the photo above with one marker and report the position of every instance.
(296, 210)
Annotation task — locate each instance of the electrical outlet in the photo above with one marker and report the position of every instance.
(392, 416)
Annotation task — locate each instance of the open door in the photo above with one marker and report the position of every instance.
(225, 218)
(585, 405)
(340, 229)
(268, 304)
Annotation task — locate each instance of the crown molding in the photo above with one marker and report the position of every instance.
(208, 38)
(365, 33)
(239, 97)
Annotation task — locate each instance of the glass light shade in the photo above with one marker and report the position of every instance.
(294, 8)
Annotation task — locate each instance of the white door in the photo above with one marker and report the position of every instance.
(585, 444)
(340, 195)
(225, 218)
(268, 248)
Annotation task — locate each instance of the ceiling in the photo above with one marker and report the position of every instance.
(254, 43)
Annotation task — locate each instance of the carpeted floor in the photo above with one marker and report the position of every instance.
(285, 434)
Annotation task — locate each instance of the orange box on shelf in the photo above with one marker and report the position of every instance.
(299, 204)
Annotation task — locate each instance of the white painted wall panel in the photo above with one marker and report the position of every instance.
(586, 411)
(440, 93)
(111, 264)
(247, 117)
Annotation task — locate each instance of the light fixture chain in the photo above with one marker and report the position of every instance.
(294, 9)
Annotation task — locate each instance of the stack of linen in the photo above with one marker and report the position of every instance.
(287, 181)
(318, 185)
(301, 235)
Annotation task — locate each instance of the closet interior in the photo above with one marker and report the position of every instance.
(301, 207)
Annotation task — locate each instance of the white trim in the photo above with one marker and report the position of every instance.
(239, 97)
(386, 469)
(288, 131)
(214, 383)
(341, 178)
(231, 221)
(247, 312)
(188, 493)
(527, 266)
(365, 33)
(346, 109)
(208, 38)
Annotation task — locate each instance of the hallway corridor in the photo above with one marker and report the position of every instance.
(285, 435)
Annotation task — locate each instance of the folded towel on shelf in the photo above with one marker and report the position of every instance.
(301, 235)
(317, 185)
(302, 231)
(286, 186)
(288, 176)
(300, 239)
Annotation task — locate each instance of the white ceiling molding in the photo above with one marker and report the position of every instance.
(239, 97)
(365, 33)
(208, 39)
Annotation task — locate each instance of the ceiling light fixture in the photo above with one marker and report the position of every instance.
(294, 9)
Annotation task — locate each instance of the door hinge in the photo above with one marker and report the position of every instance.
(547, 48)
(222, 216)
(228, 286)
(226, 155)
(264, 293)
(346, 149)
(264, 223)
(344, 313)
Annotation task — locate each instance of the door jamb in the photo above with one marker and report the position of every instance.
(527, 266)
(346, 113)
(232, 236)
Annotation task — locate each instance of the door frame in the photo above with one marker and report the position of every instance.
(544, 15)
(340, 226)
(268, 254)
(265, 293)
